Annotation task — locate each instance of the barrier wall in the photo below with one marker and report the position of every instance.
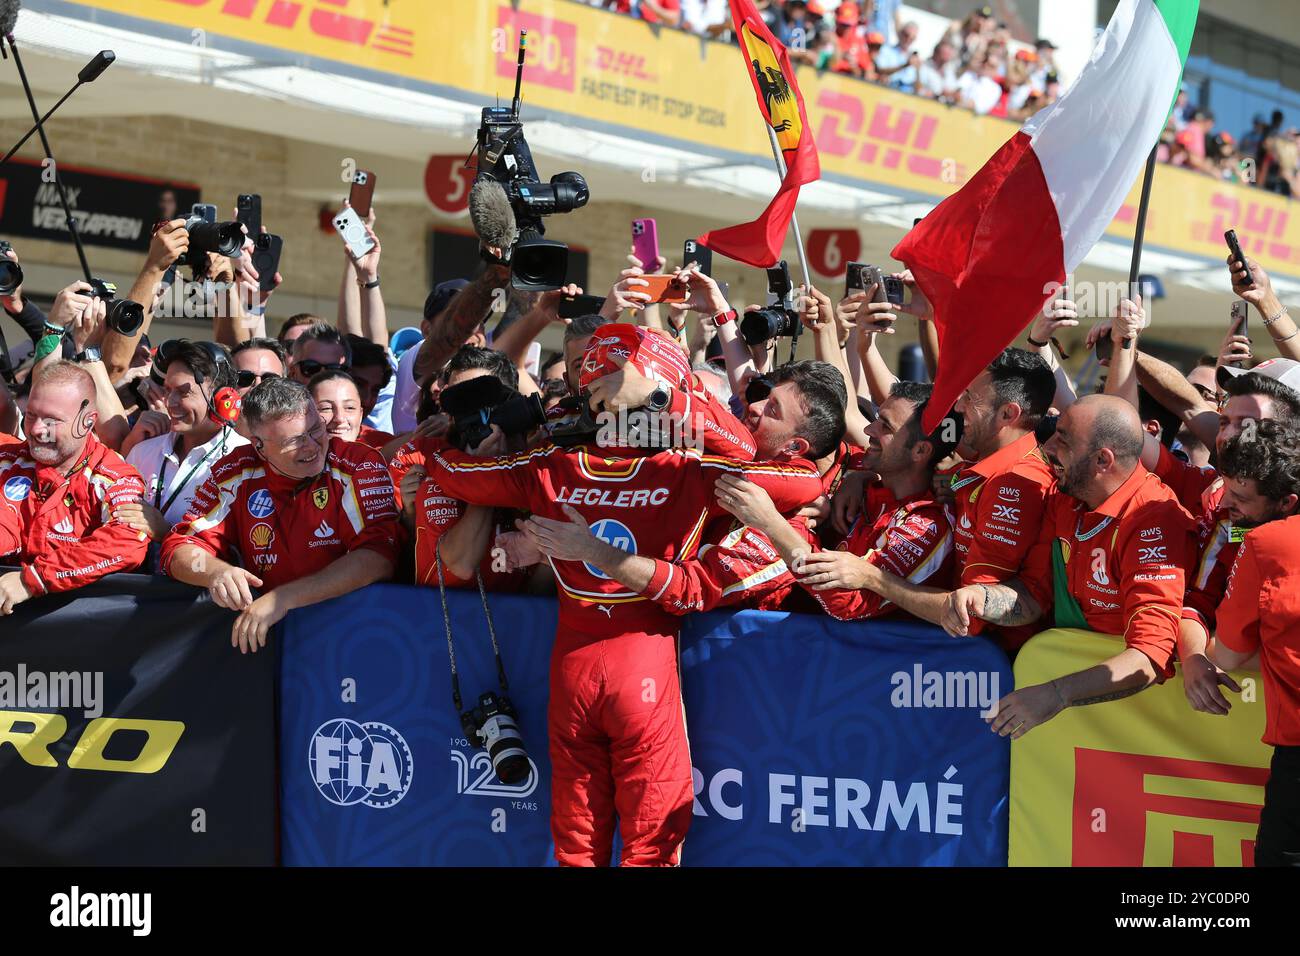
(813, 742)
(1144, 781)
(617, 74)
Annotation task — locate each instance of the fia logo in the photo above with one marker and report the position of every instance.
(18, 488)
(260, 503)
(355, 763)
(613, 533)
(1099, 566)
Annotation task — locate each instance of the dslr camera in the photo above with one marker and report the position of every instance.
(125, 316)
(478, 404)
(11, 274)
(536, 264)
(494, 725)
(779, 317)
(208, 235)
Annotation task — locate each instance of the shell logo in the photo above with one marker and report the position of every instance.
(262, 535)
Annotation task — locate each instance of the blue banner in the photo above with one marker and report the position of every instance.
(814, 742)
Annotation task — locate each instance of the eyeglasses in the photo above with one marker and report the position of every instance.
(310, 367)
(248, 379)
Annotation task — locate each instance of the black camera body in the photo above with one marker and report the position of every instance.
(777, 319)
(124, 315)
(478, 404)
(494, 726)
(536, 264)
(209, 235)
(11, 274)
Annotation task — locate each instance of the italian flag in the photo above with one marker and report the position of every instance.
(988, 255)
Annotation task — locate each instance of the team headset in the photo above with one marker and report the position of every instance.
(225, 403)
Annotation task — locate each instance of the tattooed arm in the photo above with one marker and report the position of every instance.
(458, 322)
(1008, 604)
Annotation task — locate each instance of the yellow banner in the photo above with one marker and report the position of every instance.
(1143, 781)
(631, 77)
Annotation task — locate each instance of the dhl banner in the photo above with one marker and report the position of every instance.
(1143, 781)
(619, 74)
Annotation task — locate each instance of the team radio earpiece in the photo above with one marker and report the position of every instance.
(225, 403)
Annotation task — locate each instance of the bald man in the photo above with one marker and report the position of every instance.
(58, 488)
(1109, 558)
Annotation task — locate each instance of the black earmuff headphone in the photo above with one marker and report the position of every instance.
(224, 404)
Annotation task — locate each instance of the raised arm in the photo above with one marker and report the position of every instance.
(459, 320)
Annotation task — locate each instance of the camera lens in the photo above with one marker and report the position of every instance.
(519, 415)
(125, 316)
(223, 238)
(505, 746)
(11, 276)
(538, 265)
(761, 325)
(570, 191)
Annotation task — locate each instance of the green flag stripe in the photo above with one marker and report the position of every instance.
(1180, 19)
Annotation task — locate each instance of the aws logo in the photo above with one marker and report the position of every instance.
(31, 733)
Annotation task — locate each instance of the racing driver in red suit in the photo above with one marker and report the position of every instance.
(616, 725)
(304, 516)
(60, 488)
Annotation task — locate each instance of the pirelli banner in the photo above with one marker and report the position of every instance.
(1144, 781)
(132, 733)
(813, 742)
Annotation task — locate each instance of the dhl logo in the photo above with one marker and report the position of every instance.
(894, 137)
(31, 733)
(551, 52)
(610, 60)
(323, 19)
(1141, 810)
(1261, 227)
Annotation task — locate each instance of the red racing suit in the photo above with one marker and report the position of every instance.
(68, 534)
(283, 529)
(911, 539)
(1217, 544)
(617, 729)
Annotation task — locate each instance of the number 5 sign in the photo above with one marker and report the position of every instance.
(830, 250)
(446, 183)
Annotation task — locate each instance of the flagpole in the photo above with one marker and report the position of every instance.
(1140, 230)
(794, 218)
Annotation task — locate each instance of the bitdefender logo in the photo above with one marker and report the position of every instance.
(353, 763)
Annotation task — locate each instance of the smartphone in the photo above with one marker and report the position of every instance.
(663, 288)
(266, 259)
(363, 190)
(1238, 323)
(702, 256)
(572, 306)
(1230, 237)
(645, 242)
(205, 211)
(353, 230)
(871, 275)
(249, 211)
(853, 278)
(1105, 348)
(895, 290)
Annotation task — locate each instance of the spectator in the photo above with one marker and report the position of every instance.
(852, 51)
(176, 455)
(797, 30)
(885, 17)
(551, 368)
(1110, 557)
(406, 398)
(708, 18)
(296, 513)
(1044, 60)
(294, 326)
(979, 87)
(340, 405)
(372, 371)
(258, 359)
(1260, 615)
(667, 12)
(319, 347)
(61, 487)
(899, 64)
(938, 77)
(1193, 139)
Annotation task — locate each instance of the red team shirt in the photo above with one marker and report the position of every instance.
(1261, 612)
(67, 536)
(1217, 544)
(1124, 562)
(282, 529)
(1199, 490)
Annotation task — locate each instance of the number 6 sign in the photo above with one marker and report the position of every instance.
(830, 250)
(446, 182)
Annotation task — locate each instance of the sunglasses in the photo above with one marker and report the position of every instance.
(311, 367)
(248, 379)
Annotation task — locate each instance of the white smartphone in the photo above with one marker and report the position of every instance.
(353, 231)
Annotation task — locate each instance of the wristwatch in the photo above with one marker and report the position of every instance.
(658, 399)
(88, 354)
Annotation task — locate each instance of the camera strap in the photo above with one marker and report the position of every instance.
(446, 621)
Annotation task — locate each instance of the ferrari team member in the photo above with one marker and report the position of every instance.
(1259, 468)
(1260, 615)
(1109, 558)
(802, 417)
(617, 732)
(60, 489)
(303, 516)
(902, 527)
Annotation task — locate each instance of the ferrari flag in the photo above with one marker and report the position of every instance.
(758, 243)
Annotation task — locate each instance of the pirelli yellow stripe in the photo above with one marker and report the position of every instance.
(597, 468)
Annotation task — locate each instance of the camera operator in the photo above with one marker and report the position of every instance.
(62, 485)
(409, 388)
(802, 417)
(307, 517)
(1260, 614)
(1259, 471)
(176, 456)
(22, 310)
(617, 750)
(170, 241)
(1110, 557)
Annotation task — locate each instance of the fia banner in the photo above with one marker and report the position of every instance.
(813, 742)
(132, 733)
(1143, 781)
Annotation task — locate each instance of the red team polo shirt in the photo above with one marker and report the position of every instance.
(1123, 562)
(1000, 503)
(1261, 612)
